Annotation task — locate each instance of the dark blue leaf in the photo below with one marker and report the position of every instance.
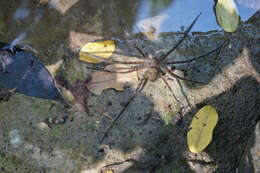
(22, 71)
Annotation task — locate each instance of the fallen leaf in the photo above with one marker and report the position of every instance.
(103, 80)
(227, 15)
(109, 171)
(28, 75)
(91, 51)
(80, 93)
(201, 129)
(75, 93)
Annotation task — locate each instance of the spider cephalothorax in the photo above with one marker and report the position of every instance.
(152, 73)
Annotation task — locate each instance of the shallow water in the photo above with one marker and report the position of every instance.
(57, 29)
(46, 21)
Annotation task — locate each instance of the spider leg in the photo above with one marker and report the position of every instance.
(169, 87)
(139, 88)
(144, 54)
(169, 71)
(183, 93)
(138, 76)
(182, 90)
(196, 58)
(126, 70)
(109, 61)
(161, 58)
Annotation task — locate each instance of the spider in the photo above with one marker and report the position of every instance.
(154, 67)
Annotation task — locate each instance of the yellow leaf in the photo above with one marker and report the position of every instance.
(103, 80)
(201, 129)
(91, 51)
(227, 15)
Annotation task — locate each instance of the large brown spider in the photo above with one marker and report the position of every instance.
(155, 67)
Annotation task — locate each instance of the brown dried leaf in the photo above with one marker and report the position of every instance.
(104, 80)
(79, 91)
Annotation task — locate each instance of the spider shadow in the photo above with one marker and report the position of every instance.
(141, 134)
(233, 137)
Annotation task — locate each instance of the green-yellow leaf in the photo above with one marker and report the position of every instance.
(91, 51)
(227, 15)
(201, 129)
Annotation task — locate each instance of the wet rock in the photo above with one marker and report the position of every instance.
(43, 126)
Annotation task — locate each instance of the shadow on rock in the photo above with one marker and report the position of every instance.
(234, 135)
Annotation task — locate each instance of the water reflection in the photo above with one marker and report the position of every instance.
(173, 15)
(46, 21)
